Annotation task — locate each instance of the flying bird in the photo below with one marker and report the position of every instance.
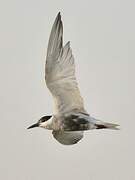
(69, 119)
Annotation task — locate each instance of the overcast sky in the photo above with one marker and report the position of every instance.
(102, 35)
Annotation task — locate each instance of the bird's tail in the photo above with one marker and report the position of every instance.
(104, 125)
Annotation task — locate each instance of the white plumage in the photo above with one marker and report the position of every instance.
(69, 119)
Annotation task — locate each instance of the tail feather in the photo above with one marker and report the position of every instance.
(105, 125)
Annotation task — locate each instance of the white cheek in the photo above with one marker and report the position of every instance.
(43, 125)
(47, 124)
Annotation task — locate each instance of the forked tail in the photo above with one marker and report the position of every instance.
(105, 125)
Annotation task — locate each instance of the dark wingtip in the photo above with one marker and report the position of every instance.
(58, 16)
(59, 13)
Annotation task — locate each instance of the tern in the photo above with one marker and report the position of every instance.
(69, 119)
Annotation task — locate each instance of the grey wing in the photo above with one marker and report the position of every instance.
(68, 138)
(60, 72)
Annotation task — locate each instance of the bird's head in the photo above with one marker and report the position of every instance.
(42, 122)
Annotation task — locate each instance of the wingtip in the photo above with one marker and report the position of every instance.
(58, 18)
(68, 43)
(59, 15)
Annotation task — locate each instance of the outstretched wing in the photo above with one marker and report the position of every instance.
(60, 72)
(68, 138)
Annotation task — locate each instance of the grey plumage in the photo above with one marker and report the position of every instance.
(69, 119)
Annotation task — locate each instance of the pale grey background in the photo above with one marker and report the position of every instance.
(102, 35)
